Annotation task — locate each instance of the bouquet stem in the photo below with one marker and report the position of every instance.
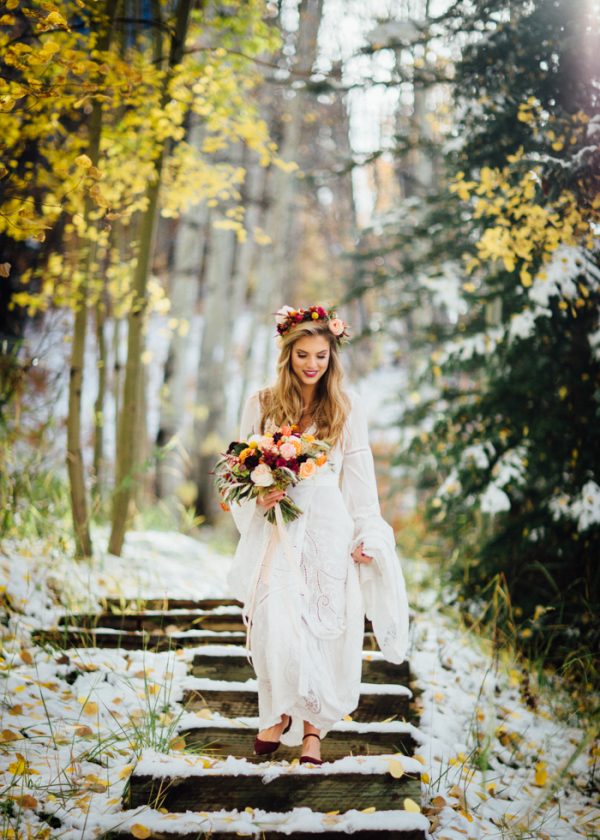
(289, 511)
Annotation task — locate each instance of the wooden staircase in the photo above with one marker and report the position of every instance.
(370, 764)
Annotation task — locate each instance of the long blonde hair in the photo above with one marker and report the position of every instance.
(282, 402)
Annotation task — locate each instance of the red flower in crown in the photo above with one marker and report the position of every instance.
(287, 317)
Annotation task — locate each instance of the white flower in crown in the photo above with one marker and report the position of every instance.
(282, 314)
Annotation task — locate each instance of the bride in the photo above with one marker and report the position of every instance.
(305, 591)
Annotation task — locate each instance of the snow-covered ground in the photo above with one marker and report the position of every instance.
(74, 725)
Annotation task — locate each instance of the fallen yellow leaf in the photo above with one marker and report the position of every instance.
(370, 810)
(140, 831)
(541, 774)
(395, 769)
(411, 806)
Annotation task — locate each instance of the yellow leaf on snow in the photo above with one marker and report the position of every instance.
(541, 774)
(125, 771)
(140, 831)
(26, 656)
(411, 806)
(90, 708)
(396, 770)
(9, 735)
(370, 810)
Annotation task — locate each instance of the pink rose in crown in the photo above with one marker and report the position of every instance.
(287, 451)
(336, 325)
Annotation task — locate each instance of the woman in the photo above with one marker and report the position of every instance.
(305, 591)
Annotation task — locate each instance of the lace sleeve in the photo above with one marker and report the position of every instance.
(243, 511)
(382, 581)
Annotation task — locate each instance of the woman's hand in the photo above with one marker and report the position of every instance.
(359, 557)
(270, 498)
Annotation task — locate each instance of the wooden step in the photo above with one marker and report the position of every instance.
(157, 640)
(144, 604)
(157, 619)
(334, 786)
(343, 740)
(75, 637)
(221, 664)
(225, 618)
(233, 700)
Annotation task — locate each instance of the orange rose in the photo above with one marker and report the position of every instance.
(307, 469)
(322, 459)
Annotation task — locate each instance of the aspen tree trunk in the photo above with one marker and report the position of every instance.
(79, 507)
(190, 245)
(99, 404)
(214, 364)
(273, 265)
(128, 420)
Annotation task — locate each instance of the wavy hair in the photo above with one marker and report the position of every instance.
(282, 402)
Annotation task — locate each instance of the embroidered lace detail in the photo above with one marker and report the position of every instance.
(326, 583)
(313, 704)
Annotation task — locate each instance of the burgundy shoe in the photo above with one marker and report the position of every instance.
(306, 759)
(265, 747)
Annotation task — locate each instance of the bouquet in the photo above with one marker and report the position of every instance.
(278, 459)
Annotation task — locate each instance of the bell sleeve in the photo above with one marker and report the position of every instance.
(244, 511)
(382, 580)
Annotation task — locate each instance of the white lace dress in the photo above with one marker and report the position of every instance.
(308, 602)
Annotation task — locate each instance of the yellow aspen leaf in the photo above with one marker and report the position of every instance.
(177, 743)
(26, 656)
(4, 272)
(411, 806)
(90, 708)
(370, 810)
(140, 831)
(56, 19)
(347, 717)
(439, 697)
(425, 778)
(205, 714)
(419, 758)
(395, 769)
(125, 771)
(83, 161)
(9, 735)
(541, 774)
(469, 287)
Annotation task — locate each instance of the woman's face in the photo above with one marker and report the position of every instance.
(310, 358)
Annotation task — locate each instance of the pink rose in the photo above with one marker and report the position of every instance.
(287, 451)
(336, 325)
(266, 442)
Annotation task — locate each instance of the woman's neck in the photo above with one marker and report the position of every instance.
(308, 395)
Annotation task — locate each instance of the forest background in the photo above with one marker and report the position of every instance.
(174, 171)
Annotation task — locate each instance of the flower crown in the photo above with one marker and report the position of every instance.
(286, 318)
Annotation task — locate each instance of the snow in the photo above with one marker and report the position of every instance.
(584, 508)
(94, 716)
